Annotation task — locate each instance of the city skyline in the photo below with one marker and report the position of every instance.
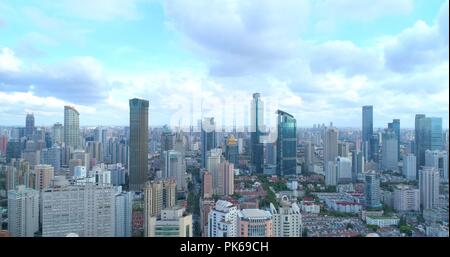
(320, 68)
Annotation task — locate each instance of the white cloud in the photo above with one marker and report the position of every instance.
(8, 61)
(361, 10)
(103, 10)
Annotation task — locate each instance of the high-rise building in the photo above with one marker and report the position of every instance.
(231, 150)
(167, 139)
(123, 212)
(344, 170)
(174, 222)
(255, 223)
(87, 210)
(52, 156)
(208, 138)
(395, 126)
(309, 156)
(23, 212)
(44, 175)
(286, 144)
(256, 131)
(287, 220)
(367, 130)
(389, 158)
(158, 195)
(409, 167)
(428, 136)
(138, 151)
(439, 160)
(13, 150)
(406, 198)
(222, 220)
(207, 185)
(429, 187)
(330, 173)
(372, 190)
(174, 166)
(357, 164)
(226, 179)
(95, 150)
(58, 133)
(29, 126)
(330, 145)
(72, 128)
(3, 144)
(343, 149)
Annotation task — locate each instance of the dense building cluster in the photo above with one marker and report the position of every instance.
(143, 180)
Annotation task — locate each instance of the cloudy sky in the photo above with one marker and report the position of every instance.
(318, 60)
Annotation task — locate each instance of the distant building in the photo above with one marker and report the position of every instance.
(23, 212)
(429, 187)
(389, 152)
(286, 144)
(409, 167)
(344, 169)
(138, 150)
(255, 223)
(256, 133)
(72, 128)
(173, 222)
(208, 139)
(123, 214)
(207, 182)
(438, 160)
(222, 220)
(287, 221)
(406, 199)
(232, 151)
(428, 136)
(372, 190)
(44, 175)
(382, 221)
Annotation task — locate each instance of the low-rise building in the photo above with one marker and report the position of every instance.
(382, 221)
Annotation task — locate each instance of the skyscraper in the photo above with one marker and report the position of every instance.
(232, 151)
(409, 167)
(357, 164)
(71, 127)
(372, 190)
(389, 159)
(256, 130)
(23, 211)
(29, 126)
(208, 138)
(286, 144)
(439, 160)
(174, 167)
(395, 126)
(429, 187)
(138, 151)
(428, 136)
(367, 130)
(207, 185)
(330, 145)
(123, 213)
(167, 139)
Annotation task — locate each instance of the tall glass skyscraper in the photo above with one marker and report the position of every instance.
(395, 126)
(367, 130)
(428, 136)
(256, 125)
(138, 153)
(71, 127)
(29, 126)
(208, 138)
(286, 144)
